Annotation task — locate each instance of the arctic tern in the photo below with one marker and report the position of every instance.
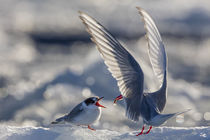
(128, 73)
(85, 113)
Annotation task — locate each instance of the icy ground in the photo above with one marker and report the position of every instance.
(78, 133)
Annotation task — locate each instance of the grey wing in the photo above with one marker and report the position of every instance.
(75, 112)
(157, 57)
(121, 64)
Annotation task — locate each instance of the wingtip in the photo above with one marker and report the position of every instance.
(81, 13)
(138, 8)
(54, 122)
(84, 17)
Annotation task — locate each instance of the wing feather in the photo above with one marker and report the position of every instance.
(121, 64)
(156, 48)
(158, 59)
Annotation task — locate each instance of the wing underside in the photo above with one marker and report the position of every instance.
(157, 57)
(120, 63)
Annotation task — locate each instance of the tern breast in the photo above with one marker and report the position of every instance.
(87, 117)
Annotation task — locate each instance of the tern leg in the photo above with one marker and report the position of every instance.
(118, 98)
(148, 130)
(142, 130)
(91, 128)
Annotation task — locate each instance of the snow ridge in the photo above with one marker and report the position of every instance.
(79, 133)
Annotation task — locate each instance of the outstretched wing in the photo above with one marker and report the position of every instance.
(157, 57)
(156, 48)
(121, 64)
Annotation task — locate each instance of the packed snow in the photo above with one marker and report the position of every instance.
(78, 133)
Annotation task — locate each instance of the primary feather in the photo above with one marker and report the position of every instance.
(158, 60)
(156, 48)
(127, 71)
(121, 64)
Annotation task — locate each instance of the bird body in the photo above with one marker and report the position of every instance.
(85, 113)
(86, 116)
(128, 73)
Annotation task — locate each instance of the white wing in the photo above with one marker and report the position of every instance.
(121, 64)
(156, 49)
(158, 59)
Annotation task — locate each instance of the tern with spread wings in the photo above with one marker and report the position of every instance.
(129, 75)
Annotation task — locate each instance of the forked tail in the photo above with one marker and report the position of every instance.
(179, 113)
(162, 118)
(59, 120)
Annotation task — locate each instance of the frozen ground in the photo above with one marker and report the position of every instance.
(48, 63)
(77, 133)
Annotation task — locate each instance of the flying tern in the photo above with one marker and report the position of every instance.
(128, 73)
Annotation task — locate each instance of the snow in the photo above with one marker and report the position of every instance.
(79, 133)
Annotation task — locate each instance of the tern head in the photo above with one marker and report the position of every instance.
(93, 102)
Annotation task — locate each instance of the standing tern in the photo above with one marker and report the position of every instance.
(85, 113)
(128, 73)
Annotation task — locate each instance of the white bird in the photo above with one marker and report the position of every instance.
(128, 73)
(85, 113)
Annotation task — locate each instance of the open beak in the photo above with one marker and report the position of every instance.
(97, 103)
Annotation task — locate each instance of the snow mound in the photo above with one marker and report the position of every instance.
(79, 133)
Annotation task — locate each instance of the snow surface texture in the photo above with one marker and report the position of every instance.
(78, 133)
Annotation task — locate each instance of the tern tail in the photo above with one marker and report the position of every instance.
(54, 122)
(179, 113)
(59, 120)
(162, 118)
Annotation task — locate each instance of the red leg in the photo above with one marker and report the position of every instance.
(142, 130)
(148, 130)
(118, 98)
(91, 128)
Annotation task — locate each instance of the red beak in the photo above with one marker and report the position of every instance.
(97, 103)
